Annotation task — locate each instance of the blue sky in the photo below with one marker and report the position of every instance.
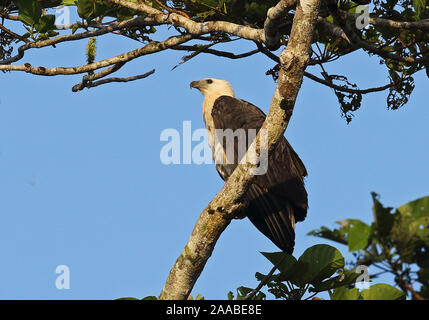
(82, 184)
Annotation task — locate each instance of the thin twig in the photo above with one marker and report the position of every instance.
(171, 10)
(347, 89)
(265, 280)
(13, 34)
(273, 57)
(225, 54)
(91, 84)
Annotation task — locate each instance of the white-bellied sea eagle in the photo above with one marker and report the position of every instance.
(275, 200)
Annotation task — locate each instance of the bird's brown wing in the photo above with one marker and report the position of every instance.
(278, 198)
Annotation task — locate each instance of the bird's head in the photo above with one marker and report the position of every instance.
(213, 87)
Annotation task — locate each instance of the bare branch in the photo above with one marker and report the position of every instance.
(219, 53)
(387, 23)
(150, 48)
(139, 21)
(13, 34)
(275, 16)
(327, 83)
(195, 28)
(9, 17)
(171, 10)
(347, 89)
(90, 84)
(264, 281)
(98, 75)
(332, 29)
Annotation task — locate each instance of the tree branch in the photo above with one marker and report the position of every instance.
(332, 29)
(341, 17)
(139, 21)
(275, 15)
(347, 89)
(218, 214)
(171, 10)
(195, 28)
(311, 76)
(218, 53)
(264, 281)
(387, 23)
(13, 34)
(150, 48)
(86, 83)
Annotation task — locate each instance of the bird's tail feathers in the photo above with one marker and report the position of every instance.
(274, 218)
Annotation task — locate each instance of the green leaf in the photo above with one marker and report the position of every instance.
(410, 231)
(150, 298)
(419, 6)
(342, 293)
(124, 14)
(296, 274)
(322, 261)
(90, 9)
(382, 217)
(46, 23)
(290, 269)
(382, 291)
(337, 235)
(127, 298)
(244, 291)
(342, 280)
(275, 258)
(29, 11)
(199, 297)
(74, 28)
(69, 2)
(417, 208)
(358, 236)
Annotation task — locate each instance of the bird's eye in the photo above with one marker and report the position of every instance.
(209, 81)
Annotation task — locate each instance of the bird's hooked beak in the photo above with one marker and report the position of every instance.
(194, 84)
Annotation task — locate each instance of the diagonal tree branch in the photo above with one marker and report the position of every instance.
(218, 214)
(264, 281)
(13, 34)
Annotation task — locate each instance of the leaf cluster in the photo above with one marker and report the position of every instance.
(397, 242)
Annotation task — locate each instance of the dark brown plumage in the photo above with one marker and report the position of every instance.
(278, 198)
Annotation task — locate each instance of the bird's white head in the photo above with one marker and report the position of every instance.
(211, 87)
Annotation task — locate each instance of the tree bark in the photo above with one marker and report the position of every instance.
(218, 214)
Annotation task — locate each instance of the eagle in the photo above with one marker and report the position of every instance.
(276, 200)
